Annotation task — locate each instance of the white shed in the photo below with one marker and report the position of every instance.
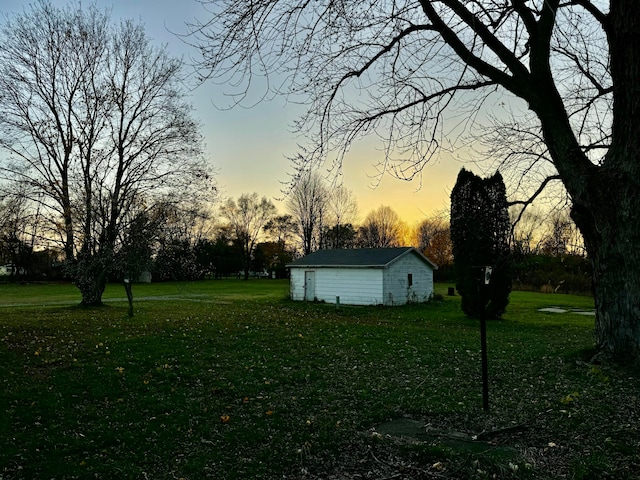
(363, 276)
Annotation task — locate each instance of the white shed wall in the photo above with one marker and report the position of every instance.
(396, 283)
(354, 286)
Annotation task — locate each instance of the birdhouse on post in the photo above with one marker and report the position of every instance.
(487, 274)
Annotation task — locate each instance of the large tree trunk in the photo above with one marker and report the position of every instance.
(617, 298)
(91, 279)
(605, 195)
(611, 230)
(91, 290)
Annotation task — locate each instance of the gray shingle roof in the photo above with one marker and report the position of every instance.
(357, 257)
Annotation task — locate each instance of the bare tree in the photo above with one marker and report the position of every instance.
(525, 232)
(280, 250)
(549, 231)
(307, 203)
(560, 237)
(247, 218)
(281, 229)
(381, 228)
(343, 212)
(409, 71)
(95, 120)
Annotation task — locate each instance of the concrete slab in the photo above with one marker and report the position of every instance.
(553, 310)
(463, 443)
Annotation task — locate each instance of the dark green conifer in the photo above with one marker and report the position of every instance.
(480, 230)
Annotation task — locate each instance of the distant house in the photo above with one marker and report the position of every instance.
(366, 276)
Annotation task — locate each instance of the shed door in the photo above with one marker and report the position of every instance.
(310, 285)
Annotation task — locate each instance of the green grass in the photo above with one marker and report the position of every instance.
(229, 379)
(12, 295)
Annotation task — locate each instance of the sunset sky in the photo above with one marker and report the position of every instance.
(249, 147)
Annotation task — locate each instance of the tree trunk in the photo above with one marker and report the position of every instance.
(611, 230)
(129, 292)
(91, 290)
(91, 279)
(617, 298)
(606, 195)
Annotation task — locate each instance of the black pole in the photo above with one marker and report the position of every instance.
(485, 368)
(484, 279)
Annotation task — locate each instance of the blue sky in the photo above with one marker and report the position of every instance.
(249, 146)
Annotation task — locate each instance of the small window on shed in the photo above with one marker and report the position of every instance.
(410, 279)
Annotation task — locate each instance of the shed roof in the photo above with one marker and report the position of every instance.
(358, 258)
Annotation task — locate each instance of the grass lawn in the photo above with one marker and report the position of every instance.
(229, 379)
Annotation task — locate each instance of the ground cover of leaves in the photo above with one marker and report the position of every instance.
(243, 383)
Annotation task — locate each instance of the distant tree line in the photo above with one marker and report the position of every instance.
(247, 237)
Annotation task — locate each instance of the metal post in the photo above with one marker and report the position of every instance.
(485, 367)
(484, 280)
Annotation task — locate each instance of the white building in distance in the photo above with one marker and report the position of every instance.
(364, 276)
